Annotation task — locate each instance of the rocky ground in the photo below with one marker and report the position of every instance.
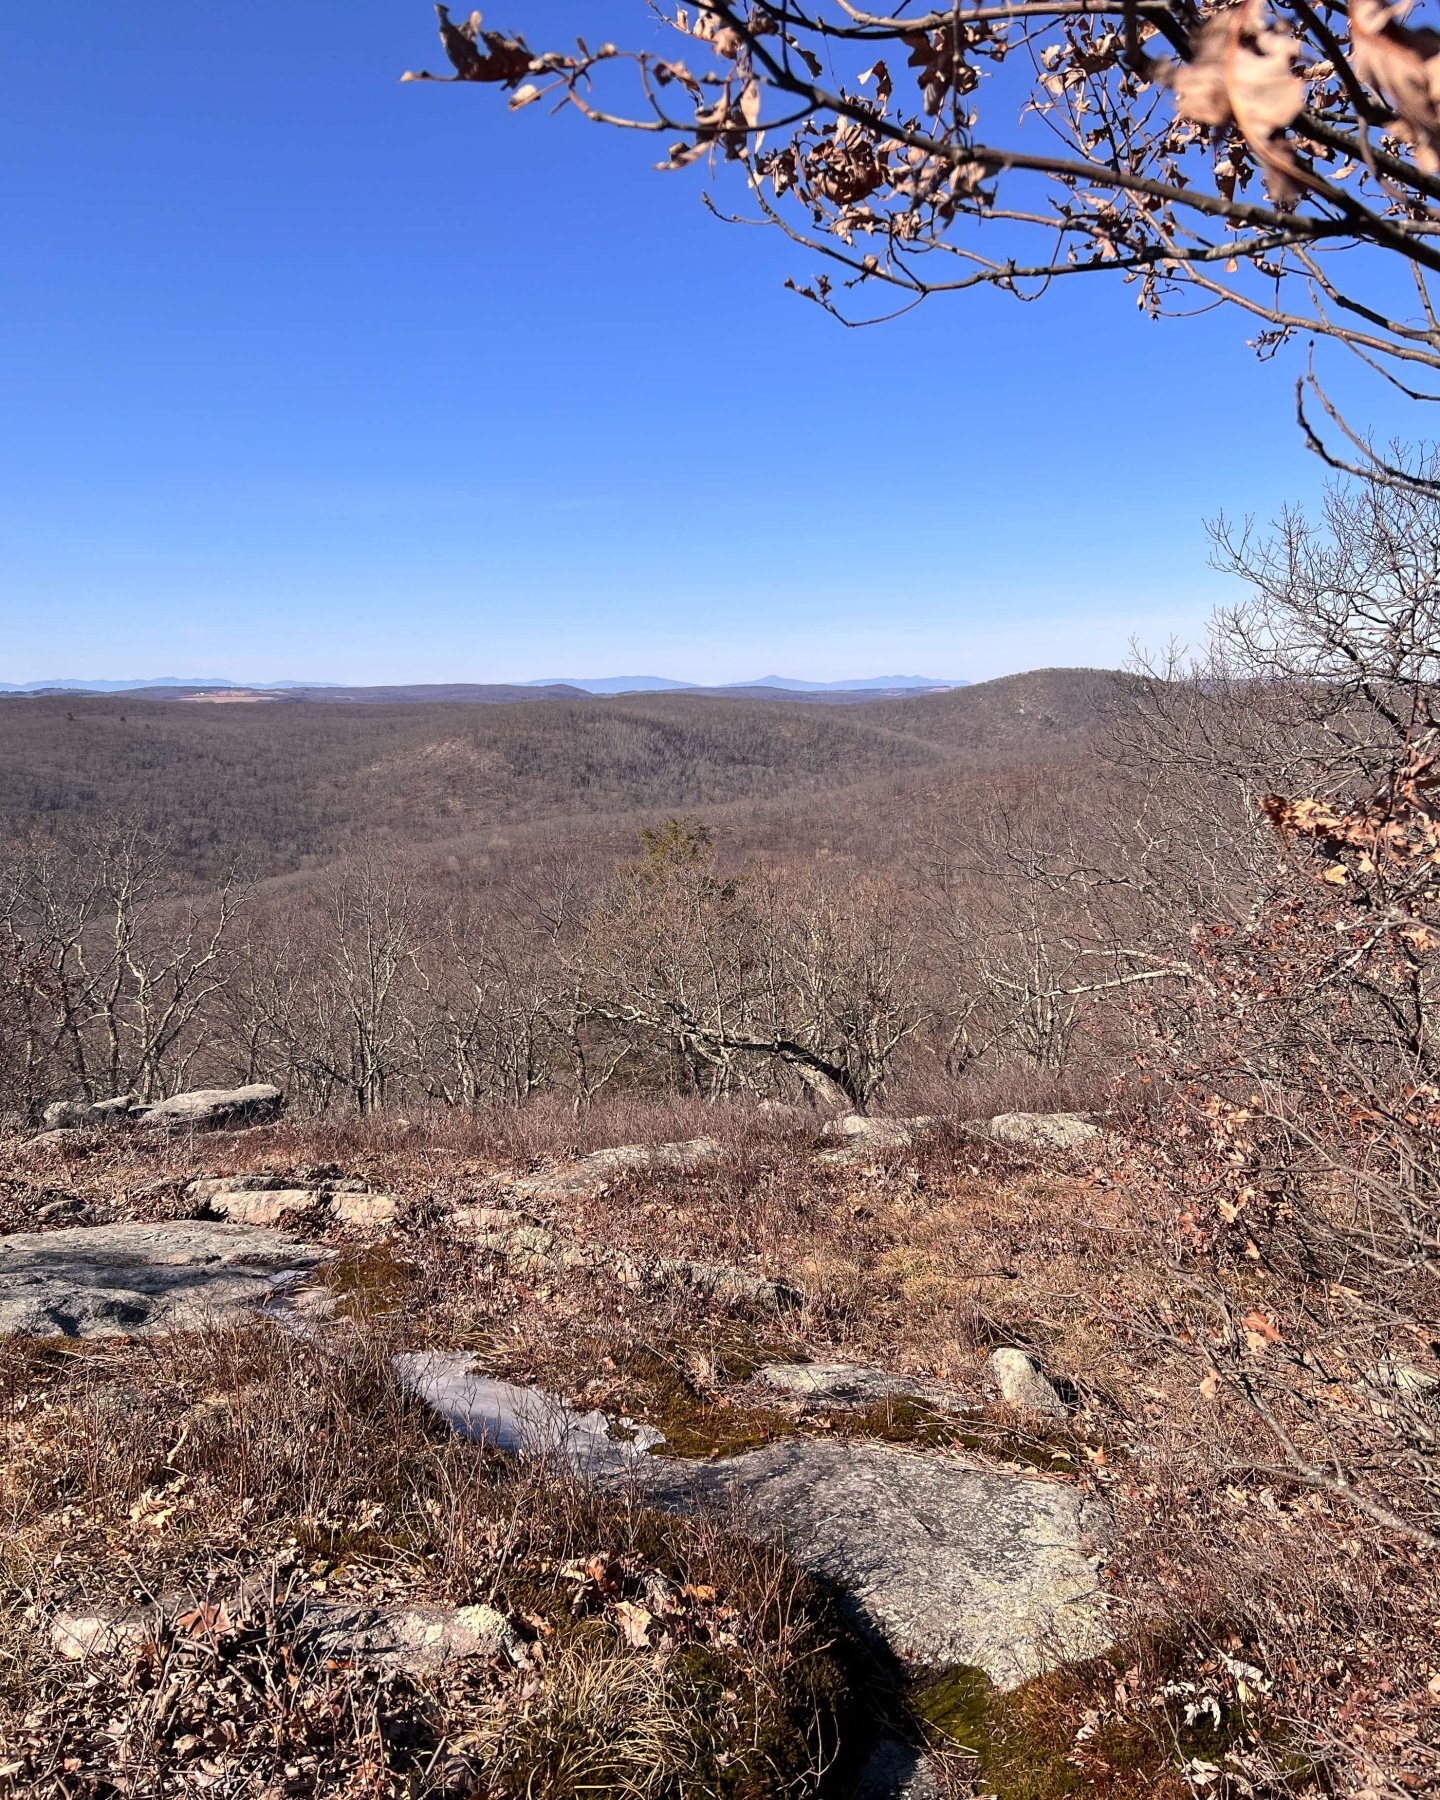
(789, 1460)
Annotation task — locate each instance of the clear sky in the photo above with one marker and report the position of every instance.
(310, 374)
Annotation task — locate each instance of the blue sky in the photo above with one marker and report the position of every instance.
(311, 374)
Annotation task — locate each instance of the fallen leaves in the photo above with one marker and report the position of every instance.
(648, 1609)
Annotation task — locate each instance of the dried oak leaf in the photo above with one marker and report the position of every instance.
(1241, 74)
(1402, 64)
(503, 59)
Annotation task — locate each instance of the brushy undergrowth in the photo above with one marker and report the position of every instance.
(657, 1656)
(142, 1470)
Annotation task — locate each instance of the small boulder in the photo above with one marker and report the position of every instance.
(1041, 1131)
(273, 1206)
(363, 1211)
(1023, 1384)
(857, 1136)
(879, 1131)
(589, 1174)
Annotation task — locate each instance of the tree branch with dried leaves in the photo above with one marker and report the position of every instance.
(1277, 155)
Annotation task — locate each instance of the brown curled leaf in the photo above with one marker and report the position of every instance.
(1402, 64)
(1241, 74)
(477, 55)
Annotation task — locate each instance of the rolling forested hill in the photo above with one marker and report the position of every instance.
(277, 788)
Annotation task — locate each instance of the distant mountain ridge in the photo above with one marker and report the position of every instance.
(67, 686)
(180, 687)
(662, 684)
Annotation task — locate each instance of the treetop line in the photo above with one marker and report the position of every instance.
(1206, 156)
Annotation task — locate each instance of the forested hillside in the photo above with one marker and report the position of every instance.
(270, 789)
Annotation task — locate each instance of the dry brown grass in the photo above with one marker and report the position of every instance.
(917, 1261)
(197, 1470)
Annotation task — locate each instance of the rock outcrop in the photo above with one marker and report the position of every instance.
(527, 1243)
(858, 1137)
(1040, 1131)
(136, 1280)
(69, 1115)
(416, 1639)
(850, 1384)
(208, 1109)
(942, 1563)
(283, 1200)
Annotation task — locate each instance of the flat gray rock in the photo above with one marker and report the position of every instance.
(528, 1244)
(206, 1109)
(851, 1384)
(1041, 1131)
(417, 1639)
(880, 1131)
(75, 1113)
(943, 1564)
(523, 1420)
(282, 1205)
(860, 1137)
(588, 1174)
(135, 1280)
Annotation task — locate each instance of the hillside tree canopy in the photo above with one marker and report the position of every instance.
(1279, 156)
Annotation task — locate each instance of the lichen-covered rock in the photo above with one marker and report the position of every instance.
(722, 1282)
(1041, 1131)
(363, 1211)
(850, 1384)
(881, 1132)
(208, 1109)
(278, 1205)
(940, 1562)
(415, 1640)
(75, 1114)
(943, 1564)
(526, 1244)
(206, 1186)
(858, 1137)
(272, 1206)
(134, 1280)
